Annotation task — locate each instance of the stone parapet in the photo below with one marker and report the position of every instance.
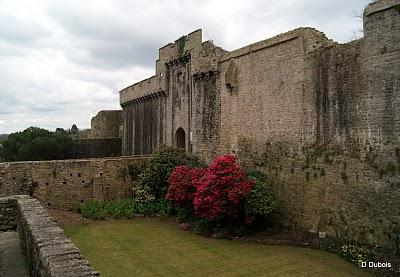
(141, 89)
(48, 252)
(64, 184)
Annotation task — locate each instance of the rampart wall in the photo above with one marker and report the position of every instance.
(106, 124)
(322, 120)
(64, 184)
(264, 91)
(330, 112)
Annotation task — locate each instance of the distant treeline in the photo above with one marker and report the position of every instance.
(3, 137)
(36, 144)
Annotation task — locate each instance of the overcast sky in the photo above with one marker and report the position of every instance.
(63, 61)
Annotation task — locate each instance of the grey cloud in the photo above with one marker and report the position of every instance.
(24, 33)
(115, 55)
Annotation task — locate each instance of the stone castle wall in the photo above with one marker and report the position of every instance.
(356, 85)
(298, 87)
(180, 105)
(103, 139)
(342, 174)
(322, 188)
(106, 124)
(148, 131)
(269, 98)
(300, 91)
(64, 184)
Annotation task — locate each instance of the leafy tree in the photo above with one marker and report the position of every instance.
(154, 178)
(36, 144)
(3, 137)
(61, 131)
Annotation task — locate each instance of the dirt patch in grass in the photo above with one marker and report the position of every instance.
(67, 218)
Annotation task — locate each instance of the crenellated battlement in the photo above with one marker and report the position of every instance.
(141, 89)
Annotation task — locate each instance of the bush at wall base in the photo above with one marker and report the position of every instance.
(154, 178)
(124, 208)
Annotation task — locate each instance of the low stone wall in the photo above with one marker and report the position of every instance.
(97, 148)
(64, 184)
(48, 252)
(7, 214)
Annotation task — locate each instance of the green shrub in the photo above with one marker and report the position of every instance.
(92, 209)
(161, 208)
(164, 207)
(141, 193)
(202, 227)
(124, 208)
(183, 214)
(117, 209)
(134, 171)
(260, 201)
(155, 177)
(329, 245)
(240, 231)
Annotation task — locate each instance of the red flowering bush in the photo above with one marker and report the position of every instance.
(217, 191)
(221, 190)
(182, 185)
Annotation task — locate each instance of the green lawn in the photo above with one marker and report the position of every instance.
(157, 247)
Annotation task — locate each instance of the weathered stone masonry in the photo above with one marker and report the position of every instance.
(48, 252)
(106, 124)
(321, 118)
(104, 138)
(178, 106)
(64, 184)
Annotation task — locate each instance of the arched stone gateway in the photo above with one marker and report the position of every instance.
(180, 138)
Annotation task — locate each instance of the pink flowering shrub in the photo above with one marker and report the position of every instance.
(218, 190)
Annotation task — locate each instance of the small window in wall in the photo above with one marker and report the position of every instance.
(179, 78)
(180, 138)
(79, 174)
(83, 181)
(65, 182)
